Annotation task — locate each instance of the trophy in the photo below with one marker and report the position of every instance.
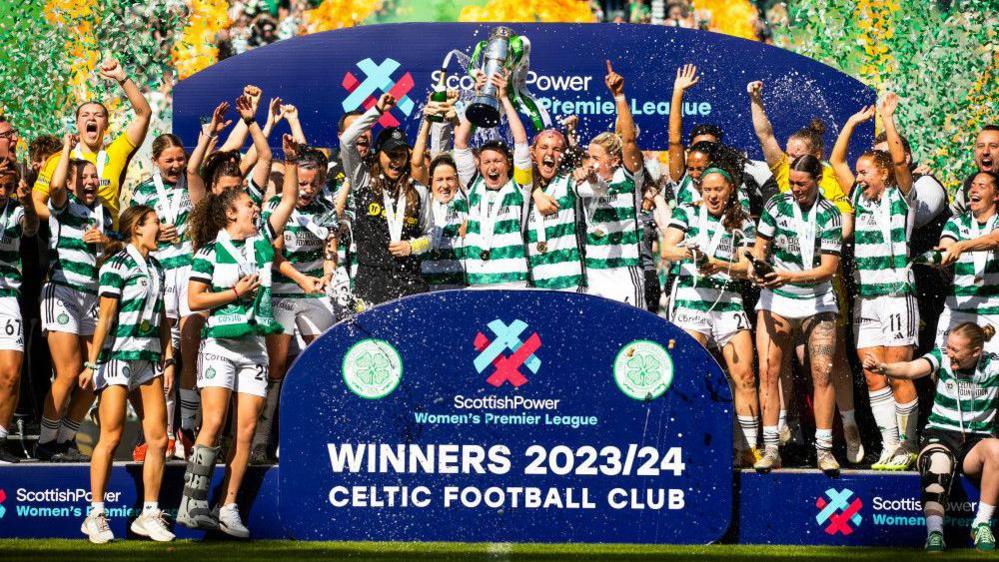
(484, 110)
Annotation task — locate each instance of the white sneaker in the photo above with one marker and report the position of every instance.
(152, 526)
(96, 527)
(178, 450)
(854, 446)
(231, 524)
(884, 459)
(902, 459)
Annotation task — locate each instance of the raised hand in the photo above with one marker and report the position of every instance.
(110, 69)
(755, 90)
(244, 106)
(254, 93)
(499, 80)
(70, 140)
(614, 81)
(887, 105)
(865, 114)
(219, 122)
(290, 147)
(686, 77)
(453, 95)
(290, 112)
(274, 110)
(385, 103)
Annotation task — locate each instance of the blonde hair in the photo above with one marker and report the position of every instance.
(976, 334)
(610, 142)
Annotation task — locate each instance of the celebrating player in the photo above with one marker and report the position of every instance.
(959, 432)
(131, 351)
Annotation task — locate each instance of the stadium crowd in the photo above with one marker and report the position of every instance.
(193, 297)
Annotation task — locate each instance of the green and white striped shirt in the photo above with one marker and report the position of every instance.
(442, 266)
(560, 266)
(305, 238)
(122, 279)
(73, 262)
(178, 201)
(881, 266)
(964, 402)
(507, 208)
(214, 266)
(11, 228)
(779, 225)
(719, 291)
(613, 236)
(972, 291)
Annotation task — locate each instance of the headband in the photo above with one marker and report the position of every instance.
(716, 170)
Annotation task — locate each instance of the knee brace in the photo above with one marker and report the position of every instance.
(937, 465)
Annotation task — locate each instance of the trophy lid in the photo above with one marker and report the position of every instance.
(501, 32)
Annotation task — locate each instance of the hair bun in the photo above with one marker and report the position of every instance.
(817, 126)
(988, 331)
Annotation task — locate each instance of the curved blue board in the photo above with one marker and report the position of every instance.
(329, 73)
(509, 416)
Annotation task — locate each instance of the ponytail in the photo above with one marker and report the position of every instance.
(812, 135)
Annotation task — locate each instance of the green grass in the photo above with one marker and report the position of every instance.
(61, 549)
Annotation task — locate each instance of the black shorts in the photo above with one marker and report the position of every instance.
(959, 444)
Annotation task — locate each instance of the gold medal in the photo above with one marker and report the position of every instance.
(145, 326)
(485, 255)
(599, 232)
(542, 247)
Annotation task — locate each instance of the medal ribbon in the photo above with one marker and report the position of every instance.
(980, 258)
(488, 215)
(152, 289)
(395, 216)
(806, 233)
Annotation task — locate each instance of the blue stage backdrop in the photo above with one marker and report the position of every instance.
(329, 73)
(513, 416)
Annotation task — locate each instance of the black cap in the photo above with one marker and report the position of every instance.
(390, 139)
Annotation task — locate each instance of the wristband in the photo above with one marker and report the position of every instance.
(169, 362)
(248, 120)
(90, 365)
(621, 97)
(235, 291)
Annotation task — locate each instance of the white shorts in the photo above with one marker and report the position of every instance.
(11, 325)
(952, 318)
(175, 293)
(622, 284)
(718, 326)
(306, 316)
(796, 309)
(65, 309)
(239, 365)
(130, 374)
(889, 321)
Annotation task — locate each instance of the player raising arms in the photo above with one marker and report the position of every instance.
(231, 279)
(886, 317)
(803, 234)
(708, 241)
(77, 222)
(614, 167)
(960, 429)
(131, 351)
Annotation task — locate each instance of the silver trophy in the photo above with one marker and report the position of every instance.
(484, 110)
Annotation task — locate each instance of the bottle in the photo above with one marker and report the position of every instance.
(762, 268)
(439, 95)
(931, 257)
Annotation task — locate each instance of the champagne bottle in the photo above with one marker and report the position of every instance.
(439, 95)
(762, 268)
(931, 257)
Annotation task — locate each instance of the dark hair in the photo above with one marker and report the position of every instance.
(724, 157)
(341, 125)
(311, 157)
(132, 217)
(107, 114)
(220, 164)
(442, 159)
(705, 147)
(43, 146)
(165, 141)
(707, 129)
(990, 127)
(812, 134)
(883, 137)
(882, 160)
(991, 175)
(498, 146)
(734, 213)
(75, 170)
(809, 164)
(208, 216)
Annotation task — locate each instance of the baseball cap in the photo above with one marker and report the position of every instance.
(390, 139)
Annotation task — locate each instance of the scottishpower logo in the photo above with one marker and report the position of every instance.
(507, 367)
(839, 511)
(377, 80)
(3, 498)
